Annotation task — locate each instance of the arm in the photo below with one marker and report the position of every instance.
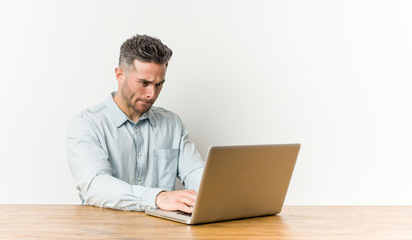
(190, 172)
(191, 164)
(93, 176)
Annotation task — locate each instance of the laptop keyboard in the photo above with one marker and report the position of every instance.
(184, 214)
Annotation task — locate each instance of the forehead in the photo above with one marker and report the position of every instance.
(149, 68)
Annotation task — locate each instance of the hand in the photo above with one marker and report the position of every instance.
(182, 200)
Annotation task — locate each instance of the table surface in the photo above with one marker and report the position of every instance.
(294, 222)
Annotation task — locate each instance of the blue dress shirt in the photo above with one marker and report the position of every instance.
(117, 163)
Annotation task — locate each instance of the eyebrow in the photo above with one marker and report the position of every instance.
(144, 80)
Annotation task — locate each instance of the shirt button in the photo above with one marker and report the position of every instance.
(136, 129)
(140, 154)
(140, 179)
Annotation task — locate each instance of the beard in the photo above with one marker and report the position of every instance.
(134, 102)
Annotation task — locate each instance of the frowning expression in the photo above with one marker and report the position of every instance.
(139, 87)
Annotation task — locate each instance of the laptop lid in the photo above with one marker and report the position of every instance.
(241, 182)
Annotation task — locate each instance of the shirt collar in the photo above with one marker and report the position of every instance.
(119, 118)
(150, 116)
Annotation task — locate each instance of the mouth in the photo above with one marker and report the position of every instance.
(147, 103)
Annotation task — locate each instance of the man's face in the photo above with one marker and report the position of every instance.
(139, 88)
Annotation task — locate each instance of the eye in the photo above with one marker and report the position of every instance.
(159, 84)
(144, 83)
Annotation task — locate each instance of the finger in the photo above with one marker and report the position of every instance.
(186, 209)
(189, 194)
(191, 191)
(187, 200)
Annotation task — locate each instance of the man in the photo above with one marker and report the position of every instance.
(125, 154)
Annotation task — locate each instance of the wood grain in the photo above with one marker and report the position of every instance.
(294, 222)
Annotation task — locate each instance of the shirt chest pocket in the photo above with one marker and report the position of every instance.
(166, 162)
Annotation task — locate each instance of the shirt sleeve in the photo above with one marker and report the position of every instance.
(93, 176)
(191, 164)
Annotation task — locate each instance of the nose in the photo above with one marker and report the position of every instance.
(151, 92)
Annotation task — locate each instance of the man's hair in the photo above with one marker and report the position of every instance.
(144, 48)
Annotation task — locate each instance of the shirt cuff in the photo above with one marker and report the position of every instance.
(149, 195)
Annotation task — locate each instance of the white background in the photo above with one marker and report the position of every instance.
(334, 76)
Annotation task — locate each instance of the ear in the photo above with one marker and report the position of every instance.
(120, 75)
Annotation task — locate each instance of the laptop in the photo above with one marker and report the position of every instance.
(240, 182)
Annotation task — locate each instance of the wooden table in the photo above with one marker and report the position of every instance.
(294, 222)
